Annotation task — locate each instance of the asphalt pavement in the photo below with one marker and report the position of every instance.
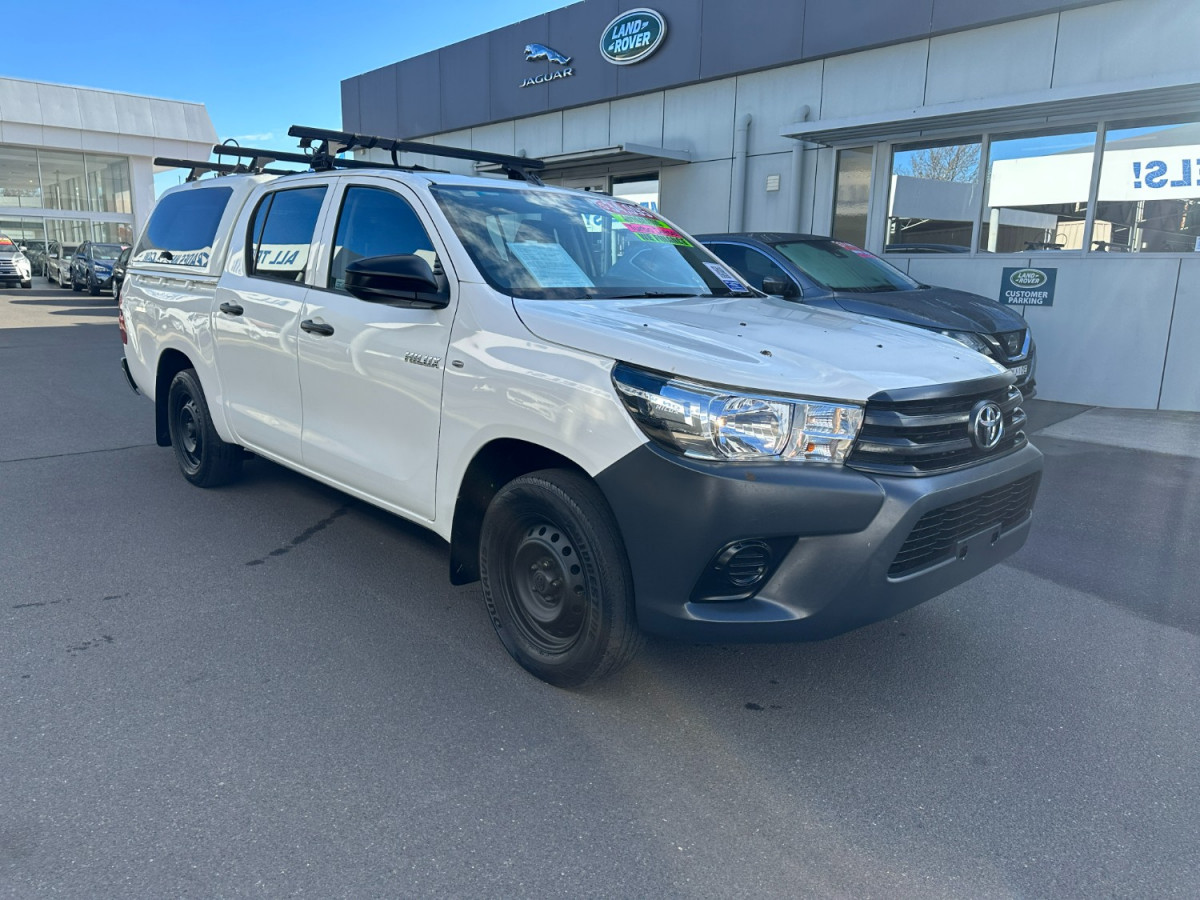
(271, 690)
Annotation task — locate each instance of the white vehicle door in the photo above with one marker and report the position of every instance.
(257, 318)
(371, 375)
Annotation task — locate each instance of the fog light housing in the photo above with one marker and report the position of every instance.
(739, 569)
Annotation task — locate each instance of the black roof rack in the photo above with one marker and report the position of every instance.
(327, 144)
(200, 167)
(320, 148)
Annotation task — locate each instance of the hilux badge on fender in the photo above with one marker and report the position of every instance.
(632, 36)
(986, 425)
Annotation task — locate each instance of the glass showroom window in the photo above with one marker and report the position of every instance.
(112, 232)
(1149, 198)
(19, 182)
(108, 183)
(64, 183)
(852, 193)
(1037, 192)
(934, 197)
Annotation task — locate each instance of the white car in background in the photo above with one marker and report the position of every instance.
(15, 267)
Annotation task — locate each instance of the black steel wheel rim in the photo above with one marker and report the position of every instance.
(547, 592)
(191, 443)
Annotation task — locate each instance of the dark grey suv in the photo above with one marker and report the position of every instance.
(820, 271)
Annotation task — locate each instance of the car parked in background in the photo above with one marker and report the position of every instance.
(92, 266)
(823, 272)
(58, 263)
(15, 268)
(118, 273)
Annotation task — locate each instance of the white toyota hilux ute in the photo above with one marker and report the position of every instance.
(613, 432)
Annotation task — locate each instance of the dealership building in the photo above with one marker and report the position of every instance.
(1038, 151)
(76, 164)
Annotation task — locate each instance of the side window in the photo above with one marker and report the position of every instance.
(183, 227)
(376, 222)
(281, 233)
(750, 264)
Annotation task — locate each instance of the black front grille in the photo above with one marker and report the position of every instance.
(911, 434)
(935, 536)
(1013, 343)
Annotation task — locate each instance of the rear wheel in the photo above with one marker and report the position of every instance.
(204, 459)
(556, 579)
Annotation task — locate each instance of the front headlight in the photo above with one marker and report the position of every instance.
(709, 422)
(969, 339)
(100, 268)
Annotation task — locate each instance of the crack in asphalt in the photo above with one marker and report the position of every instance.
(75, 453)
(303, 536)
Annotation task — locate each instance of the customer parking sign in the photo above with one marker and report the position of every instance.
(1028, 286)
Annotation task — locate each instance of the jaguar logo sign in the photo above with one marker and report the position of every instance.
(632, 36)
(537, 52)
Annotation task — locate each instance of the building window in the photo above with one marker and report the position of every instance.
(934, 196)
(108, 184)
(1037, 192)
(1149, 196)
(639, 189)
(64, 181)
(19, 181)
(852, 194)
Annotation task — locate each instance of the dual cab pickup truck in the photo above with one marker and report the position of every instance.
(614, 433)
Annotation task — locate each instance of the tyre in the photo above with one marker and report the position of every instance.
(27, 285)
(556, 579)
(75, 285)
(93, 286)
(205, 460)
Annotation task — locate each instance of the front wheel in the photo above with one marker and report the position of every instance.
(556, 579)
(93, 286)
(205, 459)
(75, 285)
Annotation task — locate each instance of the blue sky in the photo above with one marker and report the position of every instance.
(258, 68)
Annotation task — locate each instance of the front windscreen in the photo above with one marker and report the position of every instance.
(839, 266)
(106, 251)
(556, 245)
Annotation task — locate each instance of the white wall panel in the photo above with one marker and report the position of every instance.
(59, 106)
(586, 128)
(134, 114)
(637, 119)
(102, 142)
(19, 102)
(199, 125)
(1133, 39)
(20, 133)
(890, 78)
(1181, 377)
(774, 98)
(169, 121)
(769, 210)
(696, 196)
(98, 111)
(1017, 57)
(540, 135)
(700, 119)
(499, 138)
(62, 138)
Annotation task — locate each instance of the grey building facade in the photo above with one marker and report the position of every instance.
(964, 140)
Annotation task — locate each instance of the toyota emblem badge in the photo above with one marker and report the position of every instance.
(986, 425)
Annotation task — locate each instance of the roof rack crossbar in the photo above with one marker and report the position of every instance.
(330, 143)
(201, 167)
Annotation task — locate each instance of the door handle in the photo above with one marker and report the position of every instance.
(316, 328)
(232, 308)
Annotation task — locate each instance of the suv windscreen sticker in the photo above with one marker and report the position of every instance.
(550, 264)
(727, 278)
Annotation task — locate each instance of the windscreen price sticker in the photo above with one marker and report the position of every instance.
(1028, 286)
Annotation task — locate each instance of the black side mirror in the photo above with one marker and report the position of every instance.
(404, 280)
(784, 287)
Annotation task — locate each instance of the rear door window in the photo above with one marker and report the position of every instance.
(183, 227)
(281, 233)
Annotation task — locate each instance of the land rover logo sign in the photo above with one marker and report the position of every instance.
(986, 425)
(633, 36)
(1028, 287)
